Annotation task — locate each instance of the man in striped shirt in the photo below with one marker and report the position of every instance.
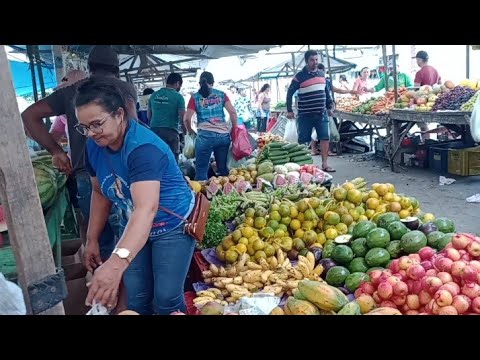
(313, 101)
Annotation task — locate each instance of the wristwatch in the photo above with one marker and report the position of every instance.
(123, 253)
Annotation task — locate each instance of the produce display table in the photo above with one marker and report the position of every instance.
(403, 120)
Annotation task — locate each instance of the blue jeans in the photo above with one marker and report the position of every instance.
(155, 279)
(107, 239)
(206, 143)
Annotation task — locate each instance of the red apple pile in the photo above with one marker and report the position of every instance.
(430, 283)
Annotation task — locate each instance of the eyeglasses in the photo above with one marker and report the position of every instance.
(95, 127)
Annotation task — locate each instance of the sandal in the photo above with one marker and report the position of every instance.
(329, 169)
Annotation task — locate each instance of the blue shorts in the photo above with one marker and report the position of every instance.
(306, 124)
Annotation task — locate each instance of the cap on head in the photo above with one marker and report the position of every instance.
(103, 55)
(422, 55)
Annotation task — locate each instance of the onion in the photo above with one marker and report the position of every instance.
(443, 298)
(426, 253)
(432, 307)
(404, 308)
(474, 248)
(453, 254)
(424, 297)
(394, 266)
(398, 300)
(415, 258)
(359, 292)
(404, 262)
(448, 246)
(417, 287)
(427, 265)
(460, 241)
(411, 312)
(388, 303)
(367, 288)
(385, 290)
(445, 277)
(451, 289)
(400, 289)
(432, 284)
(462, 252)
(177, 313)
(413, 302)
(403, 275)
(376, 297)
(476, 305)
(416, 272)
(475, 264)
(431, 272)
(447, 310)
(375, 277)
(461, 303)
(423, 313)
(469, 274)
(443, 264)
(471, 290)
(457, 268)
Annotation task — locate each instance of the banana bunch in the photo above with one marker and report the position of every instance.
(277, 276)
(209, 295)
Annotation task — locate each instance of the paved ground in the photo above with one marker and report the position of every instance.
(447, 200)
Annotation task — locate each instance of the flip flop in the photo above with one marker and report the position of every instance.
(329, 169)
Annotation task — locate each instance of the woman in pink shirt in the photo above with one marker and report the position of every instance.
(360, 86)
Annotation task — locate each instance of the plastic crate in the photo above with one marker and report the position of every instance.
(438, 156)
(464, 162)
(198, 265)
(473, 155)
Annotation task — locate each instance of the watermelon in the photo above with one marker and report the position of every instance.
(433, 238)
(385, 219)
(359, 247)
(358, 265)
(445, 225)
(413, 241)
(353, 281)
(327, 251)
(337, 275)
(444, 241)
(397, 229)
(46, 181)
(378, 238)
(342, 254)
(377, 257)
(394, 248)
(362, 228)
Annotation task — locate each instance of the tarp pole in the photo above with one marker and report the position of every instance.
(468, 61)
(395, 81)
(385, 65)
(32, 71)
(329, 71)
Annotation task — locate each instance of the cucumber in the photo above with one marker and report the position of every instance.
(305, 162)
(280, 161)
(298, 148)
(275, 158)
(298, 153)
(289, 147)
(277, 153)
(302, 158)
(275, 145)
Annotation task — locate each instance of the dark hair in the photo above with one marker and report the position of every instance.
(206, 78)
(343, 77)
(310, 53)
(101, 92)
(148, 91)
(361, 70)
(99, 69)
(264, 87)
(321, 67)
(173, 78)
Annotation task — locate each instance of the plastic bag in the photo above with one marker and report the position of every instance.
(11, 298)
(291, 134)
(334, 134)
(314, 135)
(98, 309)
(475, 121)
(240, 143)
(235, 164)
(189, 149)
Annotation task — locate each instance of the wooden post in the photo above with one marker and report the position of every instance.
(32, 72)
(59, 62)
(19, 195)
(385, 65)
(329, 70)
(395, 74)
(468, 62)
(38, 62)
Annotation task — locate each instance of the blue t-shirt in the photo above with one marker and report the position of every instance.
(143, 157)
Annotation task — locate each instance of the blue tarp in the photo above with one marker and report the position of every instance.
(22, 77)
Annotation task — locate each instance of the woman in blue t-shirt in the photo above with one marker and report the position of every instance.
(134, 169)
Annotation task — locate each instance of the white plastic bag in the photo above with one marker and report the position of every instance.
(475, 121)
(334, 134)
(291, 134)
(11, 298)
(98, 309)
(314, 135)
(189, 149)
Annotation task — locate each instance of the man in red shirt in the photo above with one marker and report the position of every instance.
(427, 75)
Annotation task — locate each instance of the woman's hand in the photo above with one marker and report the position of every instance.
(91, 255)
(105, 283)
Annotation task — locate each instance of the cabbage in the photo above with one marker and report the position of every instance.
(292, 167)
(280, 169)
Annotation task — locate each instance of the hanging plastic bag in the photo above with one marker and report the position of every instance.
(241, 146)
(314, 135)
(334, 134)
(291, 134)
(475, 121)
(189, 149)
(11, 298)
(98, 309)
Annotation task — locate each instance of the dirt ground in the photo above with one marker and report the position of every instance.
(447, 200)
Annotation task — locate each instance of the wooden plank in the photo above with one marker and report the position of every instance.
(376, 120)
(446, 117)
(18, 192)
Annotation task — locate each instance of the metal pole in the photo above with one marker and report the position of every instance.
(385, 65)
(329, 70)
(38, 62)
(32, 71)
(395, 81)
(468, 61)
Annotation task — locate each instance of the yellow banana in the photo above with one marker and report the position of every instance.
(240, 294)
(202, 298)
(216, 291)
(232, 272)
(311, 259)
(250, 287)
(206, 293)
(318, 269)
(303, 268)
(265, 276)
(252, 266)
(258, 284)
(222, 272)
(207, 274)
(286, 264)
(219, 285)
(273, 263)
(232, 287)
(238, 280)
(292, 284)
(296, 274)
(264, 264)
(214, 269)
(280, 256)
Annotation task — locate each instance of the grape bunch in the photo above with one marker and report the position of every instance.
(453, 99)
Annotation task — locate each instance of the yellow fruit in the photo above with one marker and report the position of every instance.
(231, 256)
(328, 226)
(341, 210)
(320, 224)
(388, 197)
(295, 224)
(355, 196)
(354, 214)
(249, 221)
(260, 255)
(310, 237)
(274, 207)
(220, 252)
(381, 208)
(260, 222)
(364, 197)
(227, 243)
(196, 186)
(250, 213)
(342, 228)
(347, 219)
(307, 225)
(321, 238)
(252, 259)
(382, 189)
(428, 217)
(236, 235)
(348, 186)
(373, 194)
(375, 186)
(363, 218)
(286, 220)
(302, 205)
(331, 218)
(284, 210)
(293, 212)
(252, 239)
(360, 210)
(275, 215)
(340, 194)
(405, 202)
(301, 217)
(241, 248)
(310, 214)
(243, 241)
(320, 211)
(395, 207)
(247, 232)
(331, 233)
(369, 213)
(396, 198)
(372, 203)
(279, 233)
(269, 250)
(314, 203)
(391, 187)
(348, 205)
(299, 233)
(404, 214)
